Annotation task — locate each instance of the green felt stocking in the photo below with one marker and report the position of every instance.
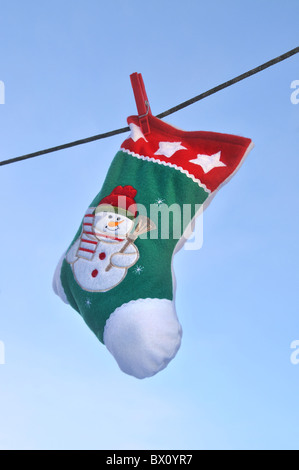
(117, 272)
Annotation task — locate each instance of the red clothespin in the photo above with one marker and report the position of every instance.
(142, 102)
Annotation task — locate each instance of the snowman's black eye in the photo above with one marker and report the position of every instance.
(118, 218)
(110, 217)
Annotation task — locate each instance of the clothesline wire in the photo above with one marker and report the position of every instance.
(180, 106)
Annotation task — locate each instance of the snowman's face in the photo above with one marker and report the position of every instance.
(109, 226)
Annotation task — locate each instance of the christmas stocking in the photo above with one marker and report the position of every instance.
(117, 272)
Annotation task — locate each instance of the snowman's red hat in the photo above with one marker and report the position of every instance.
(121, 201)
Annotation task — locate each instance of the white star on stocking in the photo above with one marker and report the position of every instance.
(159, 201)
(136, 133)
(208, 162)
(169, 148)
(138, 270)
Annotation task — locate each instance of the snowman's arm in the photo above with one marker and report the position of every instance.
(126, 259)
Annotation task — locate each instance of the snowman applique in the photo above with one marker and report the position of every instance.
(102, 255)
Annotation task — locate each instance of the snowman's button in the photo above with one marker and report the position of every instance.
(102, 256)
(94, 273)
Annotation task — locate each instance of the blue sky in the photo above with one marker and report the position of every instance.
(66, 68)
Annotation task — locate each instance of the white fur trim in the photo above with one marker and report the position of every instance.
(57, 285)
(143, 335)
(179, 168)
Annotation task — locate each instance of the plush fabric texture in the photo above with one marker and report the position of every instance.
(143, 336)
(121, 282)
(122, 201)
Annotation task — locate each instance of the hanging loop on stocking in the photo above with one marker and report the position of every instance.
(142, 102)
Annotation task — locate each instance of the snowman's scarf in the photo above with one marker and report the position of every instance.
(88, 241)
